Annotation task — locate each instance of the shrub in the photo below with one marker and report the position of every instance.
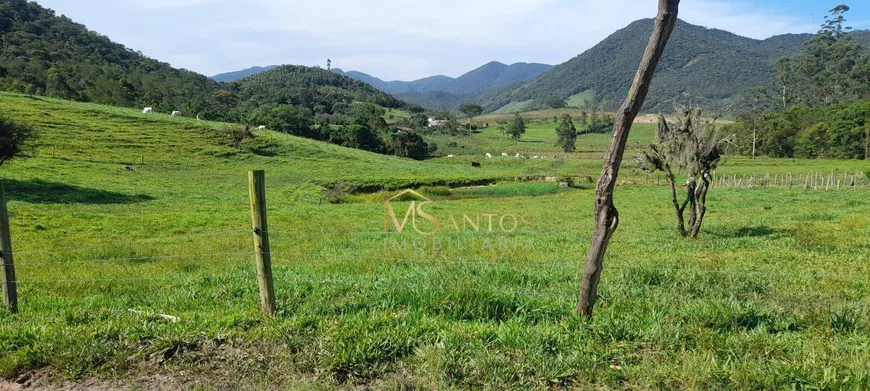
(441, 191)
(13, 137)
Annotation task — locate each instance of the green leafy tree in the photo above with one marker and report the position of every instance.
(287, 119)
(470, 110)
(57, 86)
(830, 70)
(516, 128)
(358, 135)
(409, 144)
(555, 103)
(13, 137)
(567, 134)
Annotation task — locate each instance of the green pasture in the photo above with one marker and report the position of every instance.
(120, 217)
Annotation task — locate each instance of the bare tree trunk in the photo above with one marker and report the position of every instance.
(606, 215)
(701, 205)
(867, 143)
(754, 141)
(692, 199)
(681, 222)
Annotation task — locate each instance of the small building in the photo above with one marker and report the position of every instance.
(434, 123)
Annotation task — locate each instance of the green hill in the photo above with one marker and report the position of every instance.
(700, 65)
(45, 54)
(89, 145)
(315, 88)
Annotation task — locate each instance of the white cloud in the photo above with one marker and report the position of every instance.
(391, 39)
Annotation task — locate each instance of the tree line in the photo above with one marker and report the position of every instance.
(820, 105)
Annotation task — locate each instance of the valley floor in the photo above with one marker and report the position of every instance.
(134, 256)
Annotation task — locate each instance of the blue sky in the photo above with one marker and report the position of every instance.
(407, 39)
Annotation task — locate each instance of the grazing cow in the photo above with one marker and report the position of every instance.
(176, 113)
(147, 110)
(450, 156)
(536, 157)
(489, 156)
(261, 127)
(519, 156)
(475, 164)
(504, 154)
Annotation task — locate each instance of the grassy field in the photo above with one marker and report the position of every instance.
(774, 295)
(580, 99)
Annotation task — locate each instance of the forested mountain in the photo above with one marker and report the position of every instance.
(700, 65)
(233, 76)
(495, 75)
(42, 53)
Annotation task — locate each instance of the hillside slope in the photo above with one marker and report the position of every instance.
(45, 54)
(701, 65)
(89, 145)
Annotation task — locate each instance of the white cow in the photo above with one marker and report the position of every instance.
(489, 156)
(504, 154)
(450, 156)
(518, 156)
(536, 157)
(147, 110)
(261, 127)
(176, 113)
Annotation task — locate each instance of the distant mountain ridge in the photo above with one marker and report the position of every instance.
(233, 76)
(490, 76)
(700, 66)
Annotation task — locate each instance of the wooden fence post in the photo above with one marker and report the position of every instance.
(262, 251)
(10, 292)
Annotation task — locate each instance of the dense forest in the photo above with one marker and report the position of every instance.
(46, 54)
(41, 53)
(818, 105)
(839, 132)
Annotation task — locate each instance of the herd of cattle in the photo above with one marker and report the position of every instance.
(504, 155)
(518, 156)
(176, 113)
(150, 110)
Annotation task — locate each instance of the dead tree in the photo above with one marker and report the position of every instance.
(606, 215)
(693, 146)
